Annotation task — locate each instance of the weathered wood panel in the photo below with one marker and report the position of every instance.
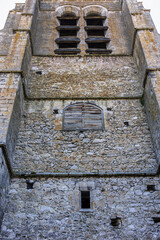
(83, 116)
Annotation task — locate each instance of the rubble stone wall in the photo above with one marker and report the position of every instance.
(51, 210)
(4, 184)
(43, 146)
(152, 106)
(83, 77)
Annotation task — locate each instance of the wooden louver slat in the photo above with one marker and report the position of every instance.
(83, 116)
(96, 27)
(99, 50)
(69, 27)
(67, 51)
(95, 17)
(67, 40)
(97, 39)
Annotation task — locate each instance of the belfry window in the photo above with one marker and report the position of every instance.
(67, 40)
(85, 200)
(96, 31)
(83, 116)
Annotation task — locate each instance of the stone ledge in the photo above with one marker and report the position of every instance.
(75, 175)
(84, 98)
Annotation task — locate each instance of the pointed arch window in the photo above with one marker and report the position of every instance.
(83, 116)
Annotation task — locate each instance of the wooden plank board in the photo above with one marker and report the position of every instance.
(83, 116)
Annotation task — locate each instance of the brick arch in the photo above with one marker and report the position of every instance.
(68, 9)
(95, 9)
(83, 116)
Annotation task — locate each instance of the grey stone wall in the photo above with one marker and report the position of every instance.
(151, 100)
(9, 85)
(52, 209)
(4, 185)
(114, 5)
(43, 147)
(14, 123)
(10, 113)
(83, 77)
(47, 22)
(6, 34)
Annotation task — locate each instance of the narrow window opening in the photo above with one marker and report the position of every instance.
(115, 222)
(126, 124)
(55, 111)
(29, 184)
(151, 188)
(85, 199)
(109, 109)
(39, 72)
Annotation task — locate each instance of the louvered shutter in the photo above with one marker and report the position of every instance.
(83, 116)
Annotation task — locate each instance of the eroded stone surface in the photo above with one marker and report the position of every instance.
(43, 147)
(90, 77)
(52, 209)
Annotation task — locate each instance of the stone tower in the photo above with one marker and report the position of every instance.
(79, 121)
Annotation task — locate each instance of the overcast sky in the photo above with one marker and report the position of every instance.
(154, 5)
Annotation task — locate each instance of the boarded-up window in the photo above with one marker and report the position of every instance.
(83, 116)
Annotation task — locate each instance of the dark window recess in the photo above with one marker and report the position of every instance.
(151, 188)
(109, 109)
(39, 72)
(66, 33)
(97, 45)
(126, 124)
(115, 222)
(94, 21)
(85, 199)
(29, 184)
(55, 111)
(156, 219)
(68, 21)
(95, 33)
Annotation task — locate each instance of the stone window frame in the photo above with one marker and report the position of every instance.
(64, 10)
(90, 189)
(81, 13)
